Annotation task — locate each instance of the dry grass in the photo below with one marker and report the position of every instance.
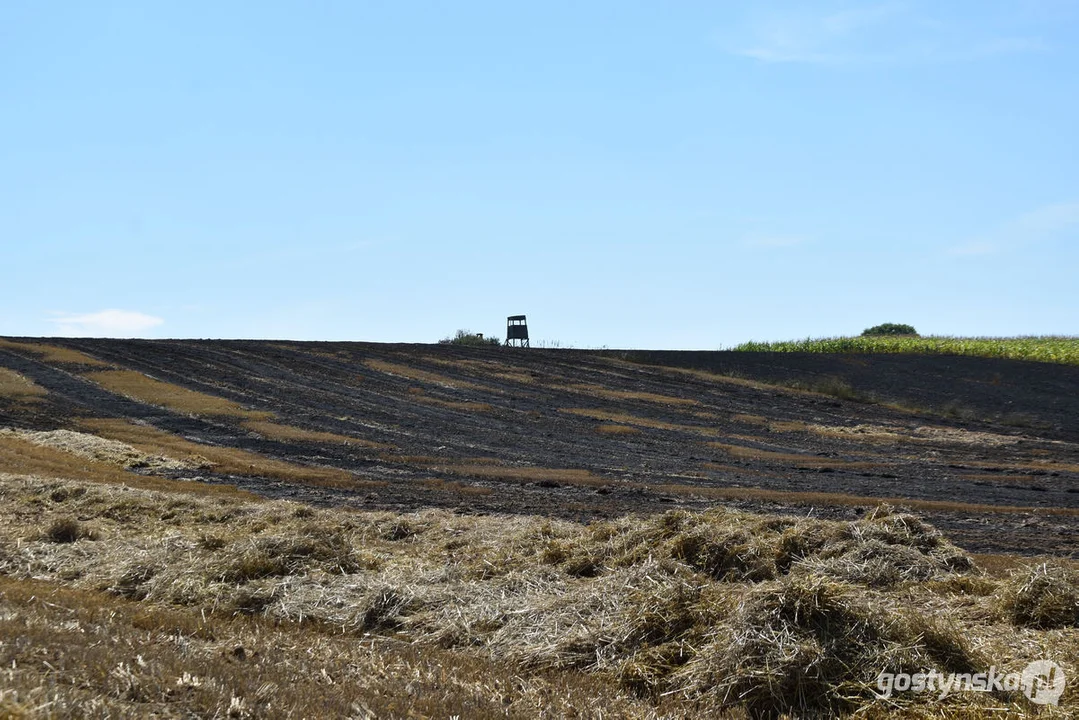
(426, 376)
(53, 353)
(623, 418)
(454, 487)
(782, 426)
(1043, 596)
(1001, 566)
(519, 375)
(998, 565)
(490, 369)
(1000, 478)
(846, 500)
(485, 367)
(420, 395)
(72, 653)
(22, 457)
(613, 429)
(94, 447)
(923, 434)
(149, 439)
(526, 473)
(505, 373)
(421, 460)
(740, 470)
(715, 378)
(1039, 465)
(146, 389)
(465, 406)
(787, 459)
(291, 433)
(427, 461)
(14, 386)
(524, 378)
(675, 615)
(861, 433)
(232, 461)
(772, 425)
(611, 394)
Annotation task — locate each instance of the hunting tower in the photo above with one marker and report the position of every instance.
(517, 331)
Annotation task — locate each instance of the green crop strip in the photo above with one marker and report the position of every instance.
(1041, 349)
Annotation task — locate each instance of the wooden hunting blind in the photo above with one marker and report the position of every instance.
(517, 331)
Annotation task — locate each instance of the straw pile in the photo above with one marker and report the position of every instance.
(94, 447)
(1041, 596)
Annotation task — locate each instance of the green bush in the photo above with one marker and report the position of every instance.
(890, 329)
(467, 337)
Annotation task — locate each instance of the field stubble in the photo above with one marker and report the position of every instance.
(719, 611)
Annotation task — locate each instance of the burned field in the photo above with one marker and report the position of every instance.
(268, 529)
(580, 435)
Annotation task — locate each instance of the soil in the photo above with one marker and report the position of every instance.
(652, 430)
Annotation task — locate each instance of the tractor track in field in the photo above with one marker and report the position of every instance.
(590, 434)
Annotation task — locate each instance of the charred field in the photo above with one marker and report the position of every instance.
(987, 449)
(262, 493)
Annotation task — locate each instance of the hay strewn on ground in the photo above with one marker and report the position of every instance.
(1042, 596)
(70, 653)
(94, 447)
(715, 611)
(924, 433)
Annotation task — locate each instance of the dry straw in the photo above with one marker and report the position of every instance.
(717, 611)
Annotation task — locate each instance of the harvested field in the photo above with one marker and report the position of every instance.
(362, 412)
(582, 529)
(88, 653)
(715, 612)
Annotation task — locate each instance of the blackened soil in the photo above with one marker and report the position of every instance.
(984, 449)
(1016, 393)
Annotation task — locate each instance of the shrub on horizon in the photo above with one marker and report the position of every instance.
(467, 337)
(889, 329)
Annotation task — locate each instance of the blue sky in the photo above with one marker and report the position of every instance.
(629, 174)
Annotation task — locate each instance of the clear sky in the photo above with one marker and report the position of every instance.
(629, 174)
